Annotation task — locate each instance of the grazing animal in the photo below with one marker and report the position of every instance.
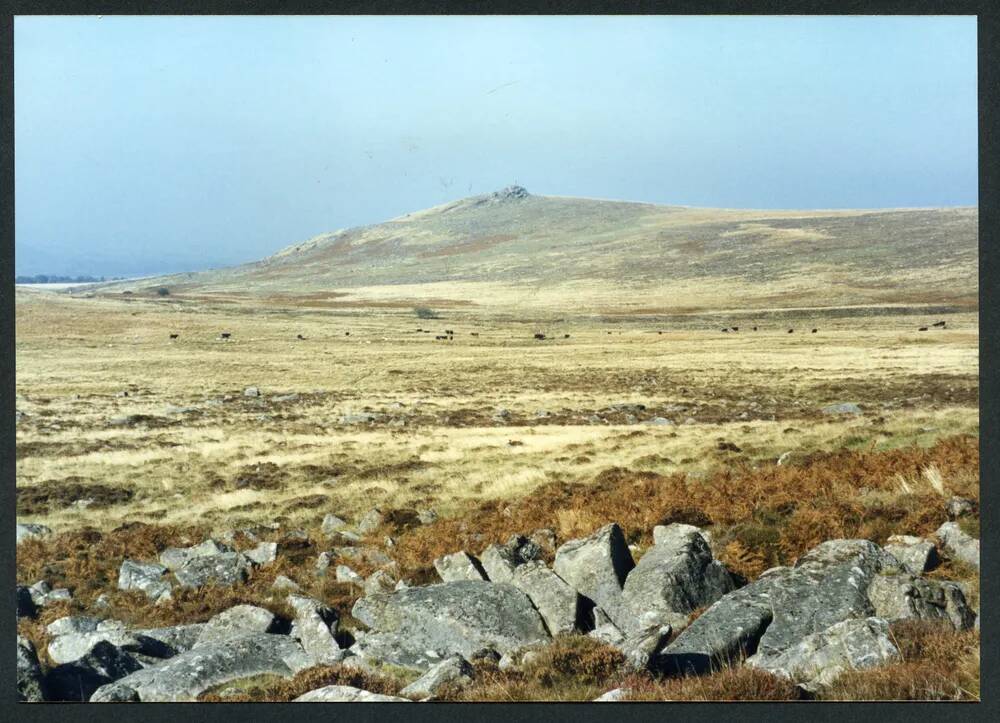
(448, 331)
(174, 336)
(659, 332)
(299, 336)
(565, 336)
(609, 332)
(474, 333)
(736, 328)
(225, 335)
(814, 331)
(939, 323)
(439, 337)
(725, 331)
(923, 328)
(791, 330)
(347, 333)
(419, 330)
(755, 328)
(539, 336)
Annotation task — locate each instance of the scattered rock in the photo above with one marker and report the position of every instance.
(642, 646)
(264, 553)
(556, 601)
(346, 694)
(427, 517)
(323, 562)
(315, 626)
(174, 558)
(31, 531)
(845, 408)
(362, 418)
(960, 507)
(917, 554)
(174, 639)
(346, 574)
(659, 422)
(234, 623)
(372, 520)
(902, 596)
(459, 566)
(597, 567)
(958, 544)
(185, 676)
(677, 575)
(145, 576)
(79, 679)
(74, 637)
(227, 568)
(282, 582)
(251, 392)
(615, 695)
(332, 523)
(30, 682)
(454, 670)
(820, 658)
(379, 581)
(461, 617)
(499, 561)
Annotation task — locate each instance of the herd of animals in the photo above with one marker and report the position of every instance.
(449, 334)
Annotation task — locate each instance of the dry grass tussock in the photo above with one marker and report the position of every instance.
(273, 689)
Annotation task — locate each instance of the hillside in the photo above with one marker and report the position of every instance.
(518, 250)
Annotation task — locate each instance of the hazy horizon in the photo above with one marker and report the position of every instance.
(151, 145)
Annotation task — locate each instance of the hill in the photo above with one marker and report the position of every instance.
(514, 250)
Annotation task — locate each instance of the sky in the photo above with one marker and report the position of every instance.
(161, 144)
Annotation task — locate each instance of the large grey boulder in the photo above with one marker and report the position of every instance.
(173, 639)
(185, 676)
(31, 531)
(904, 596)
(371, 521)
(641, 646)
(77, 680)
(959, 545)
(828, 585)
(332, 523)
(459, 566)
(556, 601)
(453, 670)
(819, 659)
(174, 558)
(42, 594)
(227, 568)
(677, 575)
(145, 576)
(346, 694)
(917, 554)
(417, 626)
(72, 643)
(315, 626)
(235, 622)
(500, 561)
(597, 567)
(263, 554)
(30, 681)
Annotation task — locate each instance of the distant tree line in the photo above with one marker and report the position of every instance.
(53, 279)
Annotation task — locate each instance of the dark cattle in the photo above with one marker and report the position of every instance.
(174, 336)
(755, 328)
(299, 336)
(347, 333)
(565, 336)
(736, 328)
(419, 330)
(659, 332)
(474, 333)
(814, 331)
(225, 335)
(448, 331)
(923, 328)
(539, 336)
(439, 337)
(939, 323)
(725, 331)
(790, 331)
(609, 332)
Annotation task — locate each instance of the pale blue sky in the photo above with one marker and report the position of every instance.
(147, 145)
